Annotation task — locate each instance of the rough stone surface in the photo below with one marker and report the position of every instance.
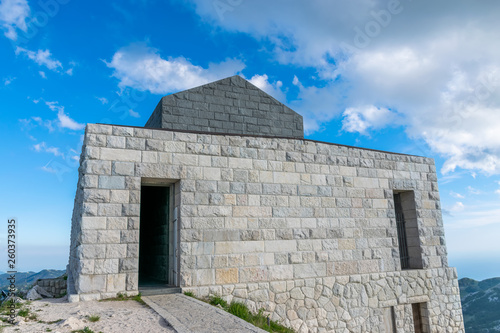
(55, 287)
(231, 105)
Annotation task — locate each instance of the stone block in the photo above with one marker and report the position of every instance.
(93, 222)
(115, 282)
(108, 236)
(106, 266)
(116, 223)
(105, 209)
(280, 245)
(226, 275)
(254, 274)
(92, 283)
(116, 251)
(115, 142)
(239, 247)
(280, 272)
(112, 182)
(132, 281)
(252, 211)
(96, 195)
(204, 277)
(126, 155)
(309, 270)
(119, 196)
(91, 251)
(128, 265)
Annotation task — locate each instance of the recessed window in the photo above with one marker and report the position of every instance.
(420, 318)
(410, 249)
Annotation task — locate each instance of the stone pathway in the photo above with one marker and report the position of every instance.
(187, 315)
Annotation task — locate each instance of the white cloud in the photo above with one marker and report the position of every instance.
(63, 120)
(134, 114)
(32, 122)
(274, 89)
(41, 57)
(365, 118)
(54, 106)
(103, 100)
(498, 191)
(142, 67)
(42, 147)
(439, 70)
(8, 80)
(42, 74)
(473, 190)
(457, 207)
(471, 216)
(13, 15)
(66, 122)
(457, 195)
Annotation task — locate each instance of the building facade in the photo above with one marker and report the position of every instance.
(221, 194)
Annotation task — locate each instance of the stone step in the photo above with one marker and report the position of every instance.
(151, 291)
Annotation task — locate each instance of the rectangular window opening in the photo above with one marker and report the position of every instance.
(410, 249)
(420, 318)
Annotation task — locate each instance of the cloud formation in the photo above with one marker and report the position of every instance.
(42, 147)
(13, 15)
(435, 65)
(142, 67)
(41, 57)
(63, 120)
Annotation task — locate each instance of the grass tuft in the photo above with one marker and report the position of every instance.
(217, 300)
(94, 318)
(189, 293)
(23, 312)
(239, 310)
(85, 330)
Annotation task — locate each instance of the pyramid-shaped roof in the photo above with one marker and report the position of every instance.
(232, 106)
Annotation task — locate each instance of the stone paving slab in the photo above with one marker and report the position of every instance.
(187, 315)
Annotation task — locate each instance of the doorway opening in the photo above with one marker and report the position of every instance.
(155, 237)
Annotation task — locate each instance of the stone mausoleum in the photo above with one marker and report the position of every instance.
(221, 194)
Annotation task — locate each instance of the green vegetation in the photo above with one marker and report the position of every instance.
(241, 310)
(5, 308)
(480, 305)
(85, 330)
(123, 297)
(217, 300)
(189, 293)
(94, 318)
(23, 312)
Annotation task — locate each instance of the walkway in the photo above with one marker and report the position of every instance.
(189, 315)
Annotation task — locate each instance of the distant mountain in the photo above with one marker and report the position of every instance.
(24, 280)
(481, 305)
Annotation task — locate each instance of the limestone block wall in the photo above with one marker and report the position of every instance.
(305, 230)
(56, 286)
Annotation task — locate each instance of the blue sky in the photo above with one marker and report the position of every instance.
(414, 77)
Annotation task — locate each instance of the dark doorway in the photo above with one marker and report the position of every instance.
(154, 236)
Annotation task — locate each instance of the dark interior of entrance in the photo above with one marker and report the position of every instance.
(154, 237)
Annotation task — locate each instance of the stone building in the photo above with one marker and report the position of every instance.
(221, 194)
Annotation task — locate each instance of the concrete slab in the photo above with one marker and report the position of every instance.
(188, 315)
